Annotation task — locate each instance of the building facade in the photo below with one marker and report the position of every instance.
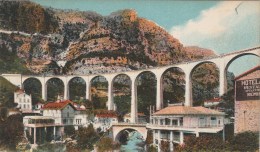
(173, 123)
(104, 120)
(23, 100)
(42, 129)
(66, 112)
(247, 101)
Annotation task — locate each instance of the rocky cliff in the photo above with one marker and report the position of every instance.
(72, 42)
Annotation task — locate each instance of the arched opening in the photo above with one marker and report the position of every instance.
(131, 140)
(77, 89)
(238, 65)
(33, 86)
(122, 95)
(173, 86)
(146, 94)
(205, 82)
(55, 88)
(99, 89)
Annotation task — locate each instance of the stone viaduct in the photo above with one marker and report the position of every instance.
(222, 62)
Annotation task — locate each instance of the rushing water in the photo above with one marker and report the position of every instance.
(135, 143)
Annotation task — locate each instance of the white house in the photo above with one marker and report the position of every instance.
(141, 117)
(104, 120)
(34, 125)
(62, 111)
(173, 123)
(23, 100)
(66, 112)
(38, 106)
(212, 102)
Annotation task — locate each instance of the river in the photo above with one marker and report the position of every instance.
(135, 143)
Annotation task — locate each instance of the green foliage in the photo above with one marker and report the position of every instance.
(151, 148)
(27, 16)
(77, 87)
(107, 144)
(48, 147)
(55, 87)
(69, 130)
(10, 62)
(123, 104)
(33, 87)
(149, 138)
(11, 131)
(205, 82)
(146, 92)
(204, 143)
(7, 93)
(246, 141)
(99, 102)
(165, 146)
(227, 103)
(87, 137)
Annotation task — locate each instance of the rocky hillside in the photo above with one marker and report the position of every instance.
(55, 41)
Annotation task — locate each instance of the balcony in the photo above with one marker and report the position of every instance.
(201, 128)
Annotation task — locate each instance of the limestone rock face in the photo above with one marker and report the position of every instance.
(87, 43)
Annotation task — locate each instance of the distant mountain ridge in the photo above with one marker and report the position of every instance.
(73, 42)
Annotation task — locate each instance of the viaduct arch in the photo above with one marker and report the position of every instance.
(117, 129)
(222, 61)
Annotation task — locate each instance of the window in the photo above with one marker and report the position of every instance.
(213, 121)
(64, 121)
(167, 121)
(202, 122)
(181, 121)
(68, 114)
(174, 122)
(161, 122)
(78, 121)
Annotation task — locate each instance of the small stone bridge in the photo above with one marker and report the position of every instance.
(119, 128)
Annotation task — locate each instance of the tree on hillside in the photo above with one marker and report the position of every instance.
(209, 143)
(87, 137)
(246, 141)
(69, 130)
(7, 93)
(107, 144)
(11, 131)
(227, 103)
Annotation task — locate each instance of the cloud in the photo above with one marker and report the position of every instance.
(228, 26)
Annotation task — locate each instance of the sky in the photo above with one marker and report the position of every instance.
(222, 26)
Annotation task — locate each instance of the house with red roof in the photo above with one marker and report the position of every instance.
(104, 119)
(212, 102)
(140, 116)
(173, 123)
(62, 111)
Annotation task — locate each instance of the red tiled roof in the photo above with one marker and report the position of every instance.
(140, 114)
(107, 115)
(184, 110)
(19, 91)
(58, 105)
(247, 72)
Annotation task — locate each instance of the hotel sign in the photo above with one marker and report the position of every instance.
(248, 89)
